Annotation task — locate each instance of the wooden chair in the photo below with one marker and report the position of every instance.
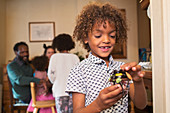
(40, 104)
(14, 103)
(148, 85)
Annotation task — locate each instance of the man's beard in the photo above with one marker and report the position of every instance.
(24, 59)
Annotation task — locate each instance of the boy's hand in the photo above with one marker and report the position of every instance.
(134, 70)
(108, 97)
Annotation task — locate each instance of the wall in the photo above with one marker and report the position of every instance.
(21, 12)
(63, 13)
(2, 36)
(2, 44)
(144, 36)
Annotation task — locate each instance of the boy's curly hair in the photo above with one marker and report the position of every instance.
(40, 63)
(63, 42)
(99, 13)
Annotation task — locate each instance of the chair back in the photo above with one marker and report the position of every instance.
(37, 104)
(32, 84)
(14, 103)
(10, 94)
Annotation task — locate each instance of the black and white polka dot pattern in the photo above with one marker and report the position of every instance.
(91, 76)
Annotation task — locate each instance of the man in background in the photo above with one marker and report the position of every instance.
(20, 73)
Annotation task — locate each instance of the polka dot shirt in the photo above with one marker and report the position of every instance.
(90, 76)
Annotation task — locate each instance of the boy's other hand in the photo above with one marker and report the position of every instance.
(134, 70)
(109, 96)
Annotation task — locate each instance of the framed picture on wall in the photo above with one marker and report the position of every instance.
(120, 50)
(41, 31)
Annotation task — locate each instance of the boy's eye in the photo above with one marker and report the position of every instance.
(97, 36)
(112, 36)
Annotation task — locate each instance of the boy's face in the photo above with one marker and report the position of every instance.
(102, 40)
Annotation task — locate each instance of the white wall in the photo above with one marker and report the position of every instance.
(21, 12)
(63, 13)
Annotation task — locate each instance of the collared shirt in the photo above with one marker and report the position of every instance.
(20, 75)
(92, 75)
(20, 62)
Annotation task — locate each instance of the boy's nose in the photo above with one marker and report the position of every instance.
(106, 39)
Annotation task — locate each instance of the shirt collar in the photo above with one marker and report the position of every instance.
(98, 60)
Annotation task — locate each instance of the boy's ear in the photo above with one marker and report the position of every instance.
(85, 41)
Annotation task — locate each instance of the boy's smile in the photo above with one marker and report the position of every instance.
(102, 39)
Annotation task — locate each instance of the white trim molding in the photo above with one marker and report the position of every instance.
(160, 36)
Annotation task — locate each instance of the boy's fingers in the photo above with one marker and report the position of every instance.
(128, 66)
(110, 88)
(113, 87)
(141, 74)
(113, 91)
(115, 99)
(136, 68)
(111, 95)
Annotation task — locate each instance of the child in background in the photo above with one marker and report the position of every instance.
(40, 63)
(59, 67)
(98, 27)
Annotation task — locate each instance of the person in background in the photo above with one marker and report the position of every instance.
(21, 73)
(98, 27)
(59, 67)
(40, 63)
(48, 51)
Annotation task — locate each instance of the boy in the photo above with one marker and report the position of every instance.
(98, 28)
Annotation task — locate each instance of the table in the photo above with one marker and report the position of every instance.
(148, 85)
